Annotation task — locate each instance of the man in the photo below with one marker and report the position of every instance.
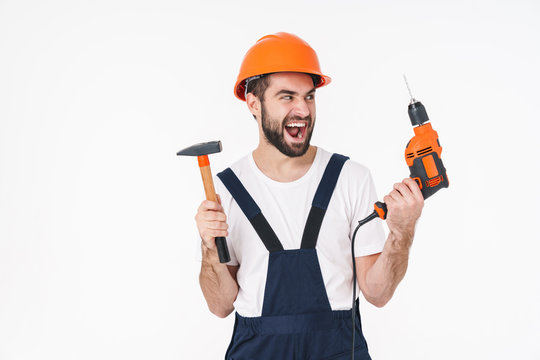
(288, 211)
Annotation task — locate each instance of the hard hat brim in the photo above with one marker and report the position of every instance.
(240, 86)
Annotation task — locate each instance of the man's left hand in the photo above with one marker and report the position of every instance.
(404, 205)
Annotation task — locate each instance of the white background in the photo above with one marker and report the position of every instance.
(98, 246)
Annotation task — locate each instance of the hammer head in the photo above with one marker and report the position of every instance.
(201, 149)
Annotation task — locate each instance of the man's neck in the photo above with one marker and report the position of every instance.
(280, 167)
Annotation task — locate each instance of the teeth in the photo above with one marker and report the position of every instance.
(296, 125)
(300, 134)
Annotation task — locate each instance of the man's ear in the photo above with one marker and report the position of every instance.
(253, 104)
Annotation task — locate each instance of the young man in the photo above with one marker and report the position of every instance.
(288, 211)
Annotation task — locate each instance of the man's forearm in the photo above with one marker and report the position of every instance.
(389, 269)
(218, 286)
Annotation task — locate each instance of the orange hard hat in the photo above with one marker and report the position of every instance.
(277, 53)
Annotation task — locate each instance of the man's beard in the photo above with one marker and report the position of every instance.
(273, 131)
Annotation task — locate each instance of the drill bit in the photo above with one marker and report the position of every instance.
(417, 111)
(413, 100)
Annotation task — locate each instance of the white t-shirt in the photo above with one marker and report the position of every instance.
(286, 207)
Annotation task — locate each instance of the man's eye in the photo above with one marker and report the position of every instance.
(310, 97)
(287, 97)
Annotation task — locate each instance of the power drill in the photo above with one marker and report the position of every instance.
(423, 156)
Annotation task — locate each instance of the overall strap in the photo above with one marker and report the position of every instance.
(321, 200)
(250, 209)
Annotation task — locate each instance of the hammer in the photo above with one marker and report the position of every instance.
(201, 151)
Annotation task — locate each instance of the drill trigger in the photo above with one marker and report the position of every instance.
(418, 181)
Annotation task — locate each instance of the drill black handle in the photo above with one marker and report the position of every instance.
(429, 173)
(222, 250)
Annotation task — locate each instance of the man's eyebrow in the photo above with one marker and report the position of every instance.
(286, 92)
(290, 92)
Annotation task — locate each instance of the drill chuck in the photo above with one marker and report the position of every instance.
(417, 113)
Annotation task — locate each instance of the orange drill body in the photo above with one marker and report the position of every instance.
(423, 153)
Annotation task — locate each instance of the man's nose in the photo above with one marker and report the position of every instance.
(301, 108)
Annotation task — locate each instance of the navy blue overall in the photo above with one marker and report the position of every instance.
(297, 321)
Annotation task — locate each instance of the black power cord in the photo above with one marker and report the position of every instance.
(353, 307)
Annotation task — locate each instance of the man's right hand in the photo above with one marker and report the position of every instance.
(218, 281)
(211, 222)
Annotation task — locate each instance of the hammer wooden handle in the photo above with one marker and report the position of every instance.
(210, 191)
(208, 183)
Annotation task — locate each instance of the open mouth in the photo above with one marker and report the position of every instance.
(296, 129)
